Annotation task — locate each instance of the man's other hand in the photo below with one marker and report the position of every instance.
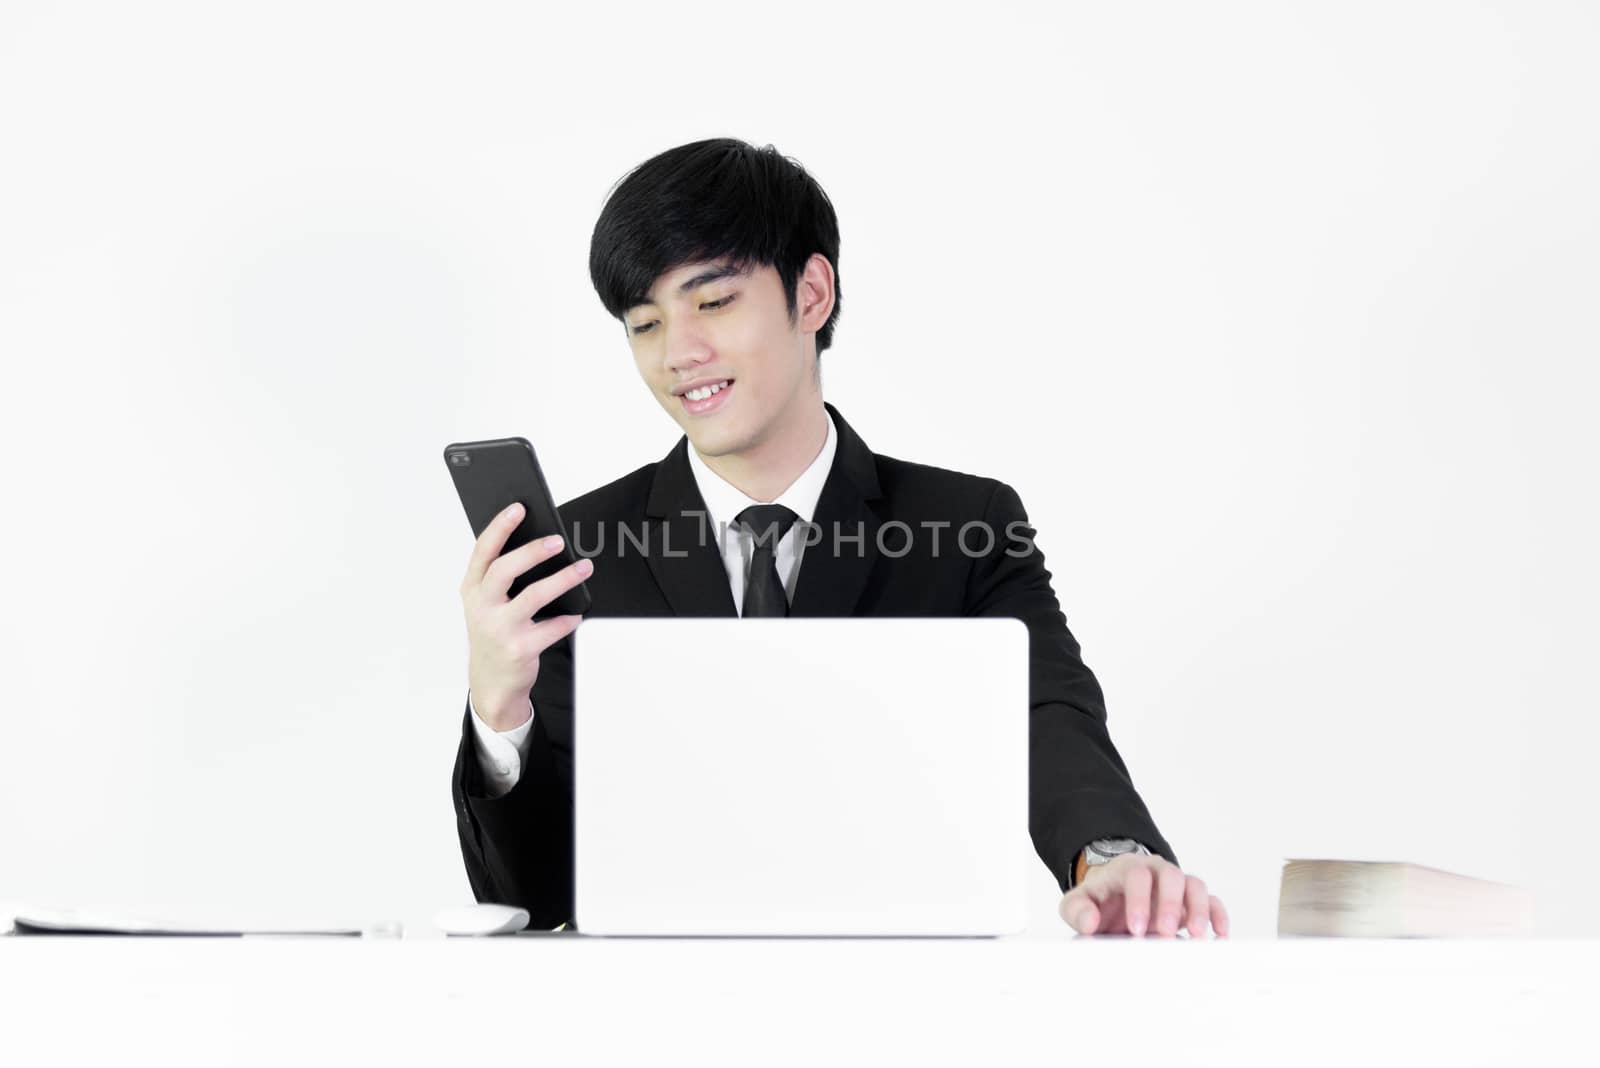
(1134, 893)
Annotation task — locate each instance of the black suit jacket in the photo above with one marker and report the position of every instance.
(518, 848)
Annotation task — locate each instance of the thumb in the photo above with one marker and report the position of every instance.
(1081, 913)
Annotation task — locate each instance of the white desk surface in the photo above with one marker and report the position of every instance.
(574, 1000)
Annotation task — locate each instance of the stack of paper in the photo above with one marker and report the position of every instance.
(33, 920)
(1384, 899)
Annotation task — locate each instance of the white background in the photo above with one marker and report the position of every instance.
(1280, 318)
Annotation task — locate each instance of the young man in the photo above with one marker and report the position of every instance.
(721, 262)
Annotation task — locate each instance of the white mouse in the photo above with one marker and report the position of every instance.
(481, 919)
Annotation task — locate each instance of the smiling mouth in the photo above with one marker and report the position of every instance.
(705, 392)
(706, 402)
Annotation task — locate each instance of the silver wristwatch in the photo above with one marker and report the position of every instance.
(1105, 850)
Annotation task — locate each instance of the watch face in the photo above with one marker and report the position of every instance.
(1113, 847)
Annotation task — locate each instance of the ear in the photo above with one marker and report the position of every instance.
(815, 296)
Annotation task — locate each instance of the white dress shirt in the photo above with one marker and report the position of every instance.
(500, 753)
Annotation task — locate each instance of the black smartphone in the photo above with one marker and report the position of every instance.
(489, 477)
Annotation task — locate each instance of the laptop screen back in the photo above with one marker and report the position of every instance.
(801, 776)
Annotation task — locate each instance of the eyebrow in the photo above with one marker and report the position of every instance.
(722, 271)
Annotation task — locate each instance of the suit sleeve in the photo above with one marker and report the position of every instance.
(518, 846)
(1079, 789)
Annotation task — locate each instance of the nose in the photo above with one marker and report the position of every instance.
(685, 348)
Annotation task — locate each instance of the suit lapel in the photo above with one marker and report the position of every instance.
(833, 570)
(692, 577)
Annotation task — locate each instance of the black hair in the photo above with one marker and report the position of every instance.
(710, 200)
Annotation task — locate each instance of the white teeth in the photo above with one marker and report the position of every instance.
(705, 391)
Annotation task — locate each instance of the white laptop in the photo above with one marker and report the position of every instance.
(801, 776)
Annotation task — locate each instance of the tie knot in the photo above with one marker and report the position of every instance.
(768, 522)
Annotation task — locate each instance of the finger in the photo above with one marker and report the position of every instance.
(1197, 906)
(1080, 912)
(1219, 917)
(1134, 885)
(1169, 900)
(538, 594)
(504, 571)
(549, 631)
(490, 542)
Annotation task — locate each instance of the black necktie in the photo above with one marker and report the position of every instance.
(763, 589)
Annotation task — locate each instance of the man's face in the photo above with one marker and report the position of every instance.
(705, 323)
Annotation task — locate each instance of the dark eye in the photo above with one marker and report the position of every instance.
(643, 327)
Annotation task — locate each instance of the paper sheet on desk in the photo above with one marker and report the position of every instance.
(109, 921)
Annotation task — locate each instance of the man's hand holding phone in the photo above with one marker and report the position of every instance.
(503, 640)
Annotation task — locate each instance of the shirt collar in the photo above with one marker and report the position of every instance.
(724, 500)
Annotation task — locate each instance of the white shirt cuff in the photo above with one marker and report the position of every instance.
(500, 753)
